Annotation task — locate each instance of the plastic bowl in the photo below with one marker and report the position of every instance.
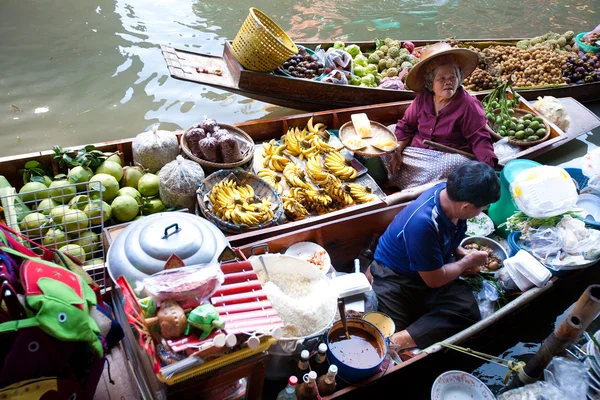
(586, 48)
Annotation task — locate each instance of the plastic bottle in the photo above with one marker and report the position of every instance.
(307, 390)
(289, 392)
(320, 360)
(326, 383)
(303, 365)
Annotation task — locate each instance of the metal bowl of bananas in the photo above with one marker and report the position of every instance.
(237, 201)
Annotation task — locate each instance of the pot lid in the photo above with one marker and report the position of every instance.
(143, 248)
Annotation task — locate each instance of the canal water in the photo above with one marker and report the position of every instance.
(77, 72)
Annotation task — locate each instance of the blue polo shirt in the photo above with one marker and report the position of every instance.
(421, 237)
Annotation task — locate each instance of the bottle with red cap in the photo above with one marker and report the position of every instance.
(289, 393)
(307, 390)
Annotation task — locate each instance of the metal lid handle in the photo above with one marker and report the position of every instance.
(166, 235)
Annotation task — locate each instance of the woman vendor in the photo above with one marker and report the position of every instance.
(443, 112)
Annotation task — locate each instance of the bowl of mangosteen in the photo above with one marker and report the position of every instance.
(304, 65)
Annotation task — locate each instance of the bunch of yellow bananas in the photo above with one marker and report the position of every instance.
(271, 178)
(239, 204)
(314, 170)
(293, 209)
(273, 156)
(292, 140)
(336, 190)
(359, 193)
(294, 175)
(339, 166)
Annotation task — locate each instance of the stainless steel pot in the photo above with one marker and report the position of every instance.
(144, 247)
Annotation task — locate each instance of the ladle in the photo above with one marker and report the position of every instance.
(342, 309)
(264, 267)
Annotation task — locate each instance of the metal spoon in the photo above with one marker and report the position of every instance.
(342, 309)
(264, 267)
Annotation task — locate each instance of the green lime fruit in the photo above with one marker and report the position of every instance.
(89, 242)
(35, 225)
(98, 212)
(33, 191)
(148, 185)
(74, 221)
(131, 192)
(110, 168)
(108, 182)
(62, 191)
(46, 206)
(73, 250)
(54, 238)
(131, 176)
(125, 208)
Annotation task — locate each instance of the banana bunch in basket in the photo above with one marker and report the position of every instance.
(239, 204)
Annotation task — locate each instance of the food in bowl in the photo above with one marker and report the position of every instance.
(494, 262)
(361, 350)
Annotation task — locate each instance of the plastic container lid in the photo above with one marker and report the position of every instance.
(292, 381)
(305, 354)
(333, 369)
(322, 348)
(526, 271)
(351, 284)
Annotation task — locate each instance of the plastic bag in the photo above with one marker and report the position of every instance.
(486, 299)
(184, 284)
(154, 149)
(338, 77)
(394, 82)
(591, 169)
(505, 150)
(544, 191)
(552, 108)
(339, 59)
(178, 181)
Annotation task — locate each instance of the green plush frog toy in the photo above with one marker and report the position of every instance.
(206, 318)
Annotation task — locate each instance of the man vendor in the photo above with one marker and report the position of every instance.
(419, 258)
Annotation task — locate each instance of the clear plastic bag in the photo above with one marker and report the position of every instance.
(591, 168)
(192, 283)
(505, 150)
(553, 109)
(338, 77)
(487, 298)
(178, 181)
(339, 59)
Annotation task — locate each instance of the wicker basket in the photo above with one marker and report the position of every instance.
(210, 167)
(261, 188)
(522, 143)
(261, 45)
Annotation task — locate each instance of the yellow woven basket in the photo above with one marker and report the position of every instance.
(261, 45)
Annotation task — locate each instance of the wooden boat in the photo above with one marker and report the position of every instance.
(343, 239)
(310, 95)
(582, 121)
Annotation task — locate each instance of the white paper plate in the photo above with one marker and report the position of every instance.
(481, 225)
(459, 385)
(590, 204)
(306, 250)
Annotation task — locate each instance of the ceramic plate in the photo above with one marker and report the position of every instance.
(481, 225)
(312, 253)
(459, 385)
(590, 204)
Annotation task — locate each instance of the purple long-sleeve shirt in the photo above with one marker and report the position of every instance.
(461, 125)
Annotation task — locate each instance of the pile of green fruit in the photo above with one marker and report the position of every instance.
(364, 74)
(525, 128)
(68, 213)
(392, 56)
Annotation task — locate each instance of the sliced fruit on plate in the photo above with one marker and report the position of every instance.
(355, 143)
(362, 125)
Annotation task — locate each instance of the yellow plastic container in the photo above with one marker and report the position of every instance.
(261, 45)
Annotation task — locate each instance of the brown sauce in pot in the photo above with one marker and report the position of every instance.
(361, 351)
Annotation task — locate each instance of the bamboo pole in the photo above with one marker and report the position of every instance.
(569, 331)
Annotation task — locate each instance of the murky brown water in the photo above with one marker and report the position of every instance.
(82, 72)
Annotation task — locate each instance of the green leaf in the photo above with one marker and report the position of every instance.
(378, 43)
(32, 164)
(38, 171)
(59, 176)
(39, 179)
(89, 147)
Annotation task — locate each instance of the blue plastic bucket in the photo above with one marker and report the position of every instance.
(350, 373)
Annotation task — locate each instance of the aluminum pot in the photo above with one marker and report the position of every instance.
(143, 248)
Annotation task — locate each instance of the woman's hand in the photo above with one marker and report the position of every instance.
(396, 160)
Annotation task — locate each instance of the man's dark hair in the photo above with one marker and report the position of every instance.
(474, 182)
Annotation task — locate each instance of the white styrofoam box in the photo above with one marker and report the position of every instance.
(526, 270)
(351, 284)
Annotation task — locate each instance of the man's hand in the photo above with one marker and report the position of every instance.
(396, 160)
(475, 258)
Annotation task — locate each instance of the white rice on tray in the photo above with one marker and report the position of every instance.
(305, 306)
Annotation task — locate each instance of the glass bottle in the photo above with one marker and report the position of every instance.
(303, 365)
(326, 383)
(289, 392)
(320, 360)
(307, 390)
